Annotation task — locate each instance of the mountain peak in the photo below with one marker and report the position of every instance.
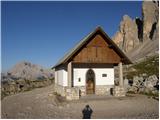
(27, 70)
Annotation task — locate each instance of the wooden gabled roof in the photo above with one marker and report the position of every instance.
(71, 53)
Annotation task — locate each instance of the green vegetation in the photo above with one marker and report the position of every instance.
(151, 95)
(149, 66)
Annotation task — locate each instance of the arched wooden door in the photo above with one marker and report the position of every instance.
(90, 82)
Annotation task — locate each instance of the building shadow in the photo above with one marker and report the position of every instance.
(87, 112)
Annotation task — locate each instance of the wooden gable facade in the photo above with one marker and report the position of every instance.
(97, 47)
(97, 50)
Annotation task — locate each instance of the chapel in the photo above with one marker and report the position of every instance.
(88, 68)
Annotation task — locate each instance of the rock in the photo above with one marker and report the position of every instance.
(60, 107)
(126, 82)
(144, 84)
(140, 37)
(151, 81)
(118, 39)
(156, 32)
(150, 12)
(119, 91)
(127, 36)
(137, 81)
(72, 93)
(133, 89)
(50, 94)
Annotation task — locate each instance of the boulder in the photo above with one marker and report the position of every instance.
(144, 84)
(133, 89)
(137, 81)
(151, 82)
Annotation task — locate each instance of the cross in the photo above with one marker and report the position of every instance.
(96, 46)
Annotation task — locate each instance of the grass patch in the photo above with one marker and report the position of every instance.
(149, 66)
(150, 94)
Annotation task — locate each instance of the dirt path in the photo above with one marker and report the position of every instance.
(41, 103)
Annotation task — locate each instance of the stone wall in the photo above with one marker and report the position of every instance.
(99, 90)
(61, 90)
(119, 91)
(16, 86)
(103, 89)
(72, 93)
(82, 90)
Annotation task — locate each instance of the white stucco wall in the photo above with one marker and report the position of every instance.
(61, 77)
(81, 73)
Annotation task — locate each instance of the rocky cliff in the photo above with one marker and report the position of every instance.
(139, 37)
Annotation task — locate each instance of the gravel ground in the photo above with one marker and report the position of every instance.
(42, 103)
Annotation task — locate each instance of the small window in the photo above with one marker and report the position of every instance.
(79, 79)
(104, 75)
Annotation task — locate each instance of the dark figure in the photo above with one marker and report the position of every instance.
(87, 111)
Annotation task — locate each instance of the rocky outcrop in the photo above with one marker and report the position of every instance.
(150, 13)
(140, 37)
(143, 84)
(127, 36)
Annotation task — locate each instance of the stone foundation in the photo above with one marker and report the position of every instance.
(104, 89)
(119, 91)
(60, 90)
(72, 93)
(82, 90)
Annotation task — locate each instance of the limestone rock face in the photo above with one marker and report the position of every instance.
(118, 39)
(156, 33)
(140, 37)
(127, 36)
(150, 12)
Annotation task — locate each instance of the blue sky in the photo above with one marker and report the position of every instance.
(42, 32)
